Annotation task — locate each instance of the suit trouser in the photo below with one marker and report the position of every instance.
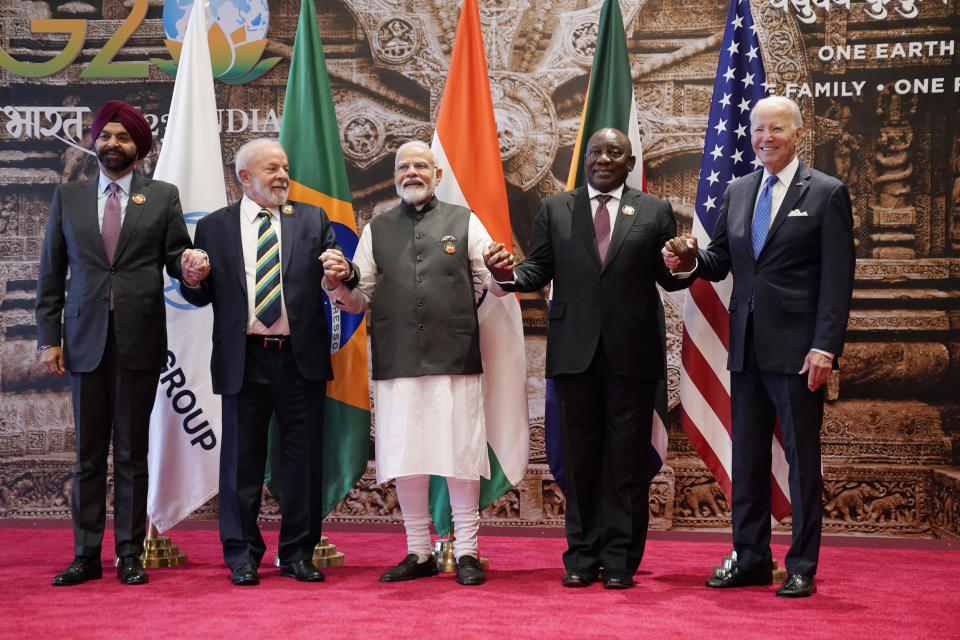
(760, 400)
(271, 384)
(605, 422)
(112, 401)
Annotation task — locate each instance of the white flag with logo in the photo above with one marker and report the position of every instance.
(184, 456)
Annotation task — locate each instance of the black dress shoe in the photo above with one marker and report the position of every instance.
(469, 571)
(737, 577)
(410, 568)
(302, 571)
(130, 571)
(578, 578)
(79, 571)
(245, 575)
(617, 581)
(796, 586)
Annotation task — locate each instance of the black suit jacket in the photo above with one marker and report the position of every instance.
(616, 300)
(801, 281)
(304, 235)
(152, 237)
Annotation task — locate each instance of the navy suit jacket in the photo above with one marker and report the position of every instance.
(803, 278)
(152, 237)
(304, 235)
(616, 300)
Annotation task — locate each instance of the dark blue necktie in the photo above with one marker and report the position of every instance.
(761, 216)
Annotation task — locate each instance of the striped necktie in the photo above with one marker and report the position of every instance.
(267, 300)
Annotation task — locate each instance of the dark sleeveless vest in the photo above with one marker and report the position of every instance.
(423, 318)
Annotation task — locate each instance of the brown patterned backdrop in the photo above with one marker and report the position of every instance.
(878, 86)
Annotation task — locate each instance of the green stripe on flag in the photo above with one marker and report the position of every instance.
(610, 91)
(309, 132)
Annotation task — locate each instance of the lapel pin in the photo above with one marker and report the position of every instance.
(448, 244)
(287, 208)
(138, 198)
(627, 210)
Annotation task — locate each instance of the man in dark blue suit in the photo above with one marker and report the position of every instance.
(271, 353)
(786, 231)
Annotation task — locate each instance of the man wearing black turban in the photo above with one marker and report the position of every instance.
(106, 325)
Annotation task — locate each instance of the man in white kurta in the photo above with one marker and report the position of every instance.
(427, 388)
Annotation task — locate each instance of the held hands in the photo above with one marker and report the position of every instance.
(499, 261)
(680, 253)
(52, 359)
(817, 366)
(194, 266)
(336, 267)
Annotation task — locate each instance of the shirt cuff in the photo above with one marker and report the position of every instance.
(685, 274)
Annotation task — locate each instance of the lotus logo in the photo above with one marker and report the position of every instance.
(237, 32)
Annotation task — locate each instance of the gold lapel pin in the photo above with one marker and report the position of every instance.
(627, 210)
(138, 198)
(287, 209)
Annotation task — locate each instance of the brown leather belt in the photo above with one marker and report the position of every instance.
(274, 343)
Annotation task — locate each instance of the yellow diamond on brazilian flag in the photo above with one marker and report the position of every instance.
(237, 36)
(311, 137)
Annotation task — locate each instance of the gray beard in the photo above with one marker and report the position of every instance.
(415, 195)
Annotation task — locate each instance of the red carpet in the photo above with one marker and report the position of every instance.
(863, 593)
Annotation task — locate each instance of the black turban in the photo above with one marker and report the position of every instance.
(131, 119)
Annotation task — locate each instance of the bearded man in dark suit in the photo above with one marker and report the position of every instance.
(271, 353)
(600, 244)
(106, 325)
(786, 231)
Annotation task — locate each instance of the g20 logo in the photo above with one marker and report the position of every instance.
(236, 32)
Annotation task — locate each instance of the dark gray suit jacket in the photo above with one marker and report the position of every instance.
(616, 300)
(801, 281)
(152, 237)
(304, 235)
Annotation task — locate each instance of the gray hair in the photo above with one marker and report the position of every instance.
(415, 143)
(248, 151)
(781, 101)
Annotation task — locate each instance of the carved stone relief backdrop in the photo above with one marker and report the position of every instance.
(878, 88)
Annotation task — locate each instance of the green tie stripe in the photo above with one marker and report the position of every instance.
(267, 295)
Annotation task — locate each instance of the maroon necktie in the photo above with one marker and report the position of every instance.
(110, 230)
(601, 226)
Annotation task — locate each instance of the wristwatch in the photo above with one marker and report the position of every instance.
(44, 347)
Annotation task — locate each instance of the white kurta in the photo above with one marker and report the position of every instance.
(428, 424)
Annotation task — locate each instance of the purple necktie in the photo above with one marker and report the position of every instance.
(110, 231)
(601, 225)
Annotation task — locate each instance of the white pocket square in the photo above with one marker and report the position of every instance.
(797, 212)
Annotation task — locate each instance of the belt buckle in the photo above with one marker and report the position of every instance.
(273, 343)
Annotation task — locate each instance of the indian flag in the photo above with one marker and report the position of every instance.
(310, 136)
(466, 146)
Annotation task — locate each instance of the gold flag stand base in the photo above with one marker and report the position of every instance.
(443, 554)
(159, 551)
(324, 555)
(778, 574)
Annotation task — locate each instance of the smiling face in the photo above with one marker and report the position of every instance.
(608, 160)
(415, 174)
(266, 179)
(115, 150)
(774, 135)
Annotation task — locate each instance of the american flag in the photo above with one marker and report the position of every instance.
(727, 154)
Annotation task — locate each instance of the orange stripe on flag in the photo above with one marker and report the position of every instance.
(468, 131)
(337, 210)
(349, 365)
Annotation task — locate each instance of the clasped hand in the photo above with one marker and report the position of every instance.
(499, 261)
(680, 253)
(336, 267)
(194, 266)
